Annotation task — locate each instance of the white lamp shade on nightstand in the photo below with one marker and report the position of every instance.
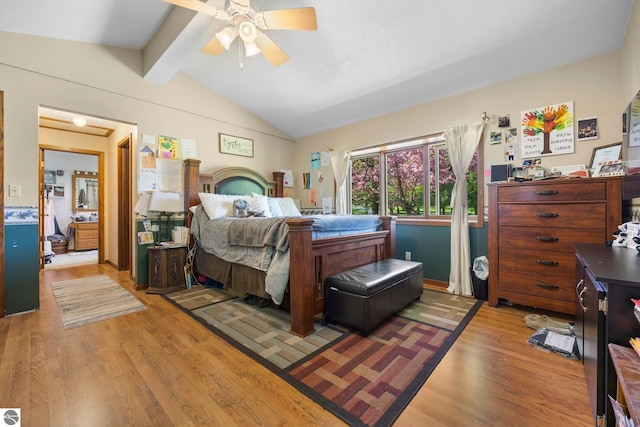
(165, 202)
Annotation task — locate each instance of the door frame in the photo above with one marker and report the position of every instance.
(101, 188)
(2, 297)
(124, 204)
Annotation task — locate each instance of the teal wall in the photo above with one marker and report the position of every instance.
(432, 246)
(142, 257)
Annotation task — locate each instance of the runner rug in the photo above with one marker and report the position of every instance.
(90, 299)
(365, 381)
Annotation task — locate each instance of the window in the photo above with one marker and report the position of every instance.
(417, 181)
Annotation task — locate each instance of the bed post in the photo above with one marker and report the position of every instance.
(278, 178)
(389, 223)
(301, 276)
(191, 178)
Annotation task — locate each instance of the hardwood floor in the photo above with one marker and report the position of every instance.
(158, 367)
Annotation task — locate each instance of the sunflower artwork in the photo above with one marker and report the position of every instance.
(548, 130)
(167, 147)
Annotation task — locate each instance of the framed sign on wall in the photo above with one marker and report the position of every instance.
(235, 145)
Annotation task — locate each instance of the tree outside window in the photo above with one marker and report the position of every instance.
(406, 191)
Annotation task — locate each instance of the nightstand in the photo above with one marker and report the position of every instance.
(166, 269)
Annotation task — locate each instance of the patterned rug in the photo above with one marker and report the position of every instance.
(90, 299)
(364, 381)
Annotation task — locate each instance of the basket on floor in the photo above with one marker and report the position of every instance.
(60, 246)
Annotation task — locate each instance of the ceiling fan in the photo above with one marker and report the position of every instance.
(247, 23)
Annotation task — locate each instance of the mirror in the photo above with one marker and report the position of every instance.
(85, 191)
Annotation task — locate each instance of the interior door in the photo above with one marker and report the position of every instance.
(124, 204)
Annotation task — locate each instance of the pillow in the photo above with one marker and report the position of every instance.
(218, 205)
(260, 203)
(288, 207)
(274, 207)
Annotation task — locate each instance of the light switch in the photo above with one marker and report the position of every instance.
(15, 190)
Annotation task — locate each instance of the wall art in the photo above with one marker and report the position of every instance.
(547, 131)
(587, 128)
(235, 145)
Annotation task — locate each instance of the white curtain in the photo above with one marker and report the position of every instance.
(462, 142)
(340, 166)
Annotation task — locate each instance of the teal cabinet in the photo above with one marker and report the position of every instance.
(21, 268)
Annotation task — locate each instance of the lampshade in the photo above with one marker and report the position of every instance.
(165, 202)
(251, 48)
(226, 36)
(248, 31)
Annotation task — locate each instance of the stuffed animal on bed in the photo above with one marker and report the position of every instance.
(242, 209)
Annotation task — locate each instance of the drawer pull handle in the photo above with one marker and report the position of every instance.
(546, 262)
(547, 238)
(546, 214)
(546, 192)
(547, 286)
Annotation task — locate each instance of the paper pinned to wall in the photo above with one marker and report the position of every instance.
(189, 150)
(169, 175)
(147, 180)
(288, 178)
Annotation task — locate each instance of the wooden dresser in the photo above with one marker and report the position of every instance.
(86, 235)
(532, 228)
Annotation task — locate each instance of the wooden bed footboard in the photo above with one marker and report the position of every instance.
(311, 260)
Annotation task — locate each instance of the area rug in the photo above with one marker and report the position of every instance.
(365, 381)
(90, 299)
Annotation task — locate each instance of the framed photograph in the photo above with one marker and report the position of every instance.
(587, 128)
(606, 153)
(504, 121)
(495, 137)
(610, 168)
(49, 177)
(235, 145)
(58, 191)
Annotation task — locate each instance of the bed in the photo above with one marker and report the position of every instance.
(311, 259)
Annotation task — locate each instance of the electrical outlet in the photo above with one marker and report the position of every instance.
(407, 256)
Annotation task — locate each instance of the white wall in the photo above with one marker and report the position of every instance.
(593, 85)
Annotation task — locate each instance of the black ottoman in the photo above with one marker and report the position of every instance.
(364, 297)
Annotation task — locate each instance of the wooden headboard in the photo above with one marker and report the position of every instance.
(233, 180)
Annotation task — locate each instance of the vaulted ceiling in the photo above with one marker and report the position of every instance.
(367, 57)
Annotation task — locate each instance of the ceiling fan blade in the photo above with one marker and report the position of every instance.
(270, 50)
(213, 47)
(290, 19)
(199, 6)
(241, 3)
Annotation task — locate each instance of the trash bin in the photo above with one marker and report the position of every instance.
(480, 278)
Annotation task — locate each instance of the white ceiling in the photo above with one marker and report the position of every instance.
(367, 58)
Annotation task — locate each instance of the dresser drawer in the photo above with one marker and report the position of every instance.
(561, 192)
(88, 234)
(560, 264)
(548, 285)
(547, 239)
(571, 215)
(86, 244)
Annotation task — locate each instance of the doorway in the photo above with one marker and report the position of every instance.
(72, 200)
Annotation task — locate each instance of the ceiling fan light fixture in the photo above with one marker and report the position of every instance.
(251, 48)
(79, 121)
(226, 36)
(248, 31)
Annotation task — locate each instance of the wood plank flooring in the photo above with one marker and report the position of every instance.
(158, 367)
